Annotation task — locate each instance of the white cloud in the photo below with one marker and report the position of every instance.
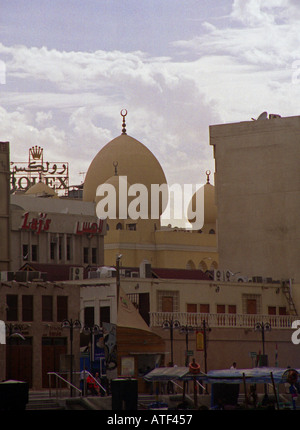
(41, 117)
(69, 102)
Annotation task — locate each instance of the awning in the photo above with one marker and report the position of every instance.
(228, 376)
(251, 376)
(171, 373)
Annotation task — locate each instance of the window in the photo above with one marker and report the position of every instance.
(204, 308)
(89, 318)
(191, 307)
(68, 248)
(232, 309)
(251, 303)
(12, 307)
(47, 308)
(271, 310)
(52, 250)
(119, 226)
(62, 308)
(131, 227)
(251, 306)
(168, 300)
(94, 255)
(167, 304)
(27, 308)
(104, 314)
(25, 252)
(220, 309)
(60, 247)
(85, 255)
(282, 310)
(190, 265)
(34, 253)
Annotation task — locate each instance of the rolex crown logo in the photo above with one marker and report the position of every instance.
(36, 152)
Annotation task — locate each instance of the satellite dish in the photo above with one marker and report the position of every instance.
(263, 115)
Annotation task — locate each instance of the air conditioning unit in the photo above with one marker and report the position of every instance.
(242, 279)
(145, 269)
(34, 275)
(7, 276)
(21, 276)
(76, 273)
(228, 276)
(106, 272)
(218, 275)
(93, 274)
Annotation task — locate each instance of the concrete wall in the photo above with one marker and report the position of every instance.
(257, 180)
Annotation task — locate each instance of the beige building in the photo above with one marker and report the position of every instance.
(230, 312)
(36, 343)
(49, 230)
(257, 179)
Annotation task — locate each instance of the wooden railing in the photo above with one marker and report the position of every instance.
(222, 320)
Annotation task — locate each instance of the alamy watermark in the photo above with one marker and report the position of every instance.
(168, 203)
(296, 334)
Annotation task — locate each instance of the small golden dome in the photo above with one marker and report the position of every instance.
(40, 189)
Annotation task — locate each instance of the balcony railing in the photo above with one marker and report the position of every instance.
(222, 320)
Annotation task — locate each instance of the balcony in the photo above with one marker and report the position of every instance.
(222, 320)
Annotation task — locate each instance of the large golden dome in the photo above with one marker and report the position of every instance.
(132, 158)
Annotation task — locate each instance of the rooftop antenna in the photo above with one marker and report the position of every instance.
(123, 114)
(82, 174)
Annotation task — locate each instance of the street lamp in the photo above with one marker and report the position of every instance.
(14, 331)
(171, 325)
(204, 328)
(92, 331)
(186, 330)
(118, 283)
(260, 326)
(71, 325)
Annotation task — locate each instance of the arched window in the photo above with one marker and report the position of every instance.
(212, 231)
(119, 226)
(203, 266)
(190, 265)
(214, 265)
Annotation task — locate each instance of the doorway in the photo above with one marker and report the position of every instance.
(19, 360)
(52, 349)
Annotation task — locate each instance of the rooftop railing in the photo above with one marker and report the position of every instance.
(222, 320)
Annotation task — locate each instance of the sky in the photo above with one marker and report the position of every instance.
(68, 67)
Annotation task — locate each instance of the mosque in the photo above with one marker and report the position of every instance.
(146, 238)
(66, 232)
